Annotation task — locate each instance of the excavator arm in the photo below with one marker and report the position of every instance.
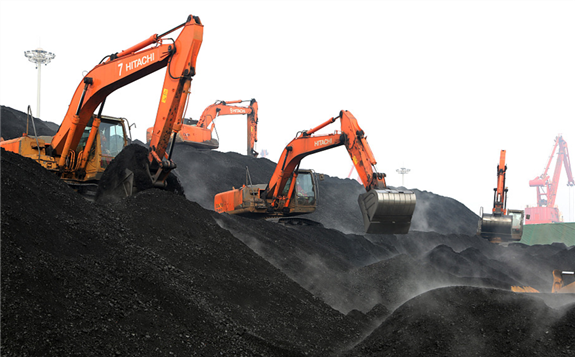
(224, 108)
(86, 143)
(121, 69)
(384, 210)
(305, 144)
(199, 134)
(501, 225)
(500, 198)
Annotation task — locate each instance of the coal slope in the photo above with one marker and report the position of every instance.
(13, 124)
(367, 276)
(205, 173)
(150, 275)
(159, 274)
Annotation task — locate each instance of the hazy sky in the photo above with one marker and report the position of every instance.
(439, 87)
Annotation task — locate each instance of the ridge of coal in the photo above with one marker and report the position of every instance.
(158, 274)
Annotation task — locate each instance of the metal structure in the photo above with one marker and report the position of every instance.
(39, 57)
(403, 171)
(501, 225)
(546, 211)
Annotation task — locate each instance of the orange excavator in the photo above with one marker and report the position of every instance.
(78, 153)
(198, 133)
(292, 191)
(502, 225)
(559, 285)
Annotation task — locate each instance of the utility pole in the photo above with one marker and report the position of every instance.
(39, 57)
(403, 171)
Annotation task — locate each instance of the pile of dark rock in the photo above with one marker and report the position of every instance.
(162, 274)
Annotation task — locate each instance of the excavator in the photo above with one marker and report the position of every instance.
(198, 133)
(559, 286)
(80, 151)
(292, 191)
(502, 225)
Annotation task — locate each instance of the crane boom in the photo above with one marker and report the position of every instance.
(546, 210)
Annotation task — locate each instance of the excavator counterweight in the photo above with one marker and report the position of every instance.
(292, 191)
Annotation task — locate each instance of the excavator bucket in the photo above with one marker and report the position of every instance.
(387, 211)
(496, 228)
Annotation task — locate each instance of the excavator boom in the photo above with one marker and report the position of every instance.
(79, 135)
(199, 133)
(288, 193)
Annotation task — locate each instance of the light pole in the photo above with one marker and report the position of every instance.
(39, 57)
(403, 171)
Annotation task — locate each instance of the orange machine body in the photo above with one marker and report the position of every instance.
(502, 225)
(200, 133)
(292, 191)
(68, 158)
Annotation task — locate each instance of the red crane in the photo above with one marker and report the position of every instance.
(546, 211)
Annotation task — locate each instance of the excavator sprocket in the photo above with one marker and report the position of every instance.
(387, 211)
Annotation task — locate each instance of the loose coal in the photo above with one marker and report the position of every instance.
(14, 123)
(159, 274)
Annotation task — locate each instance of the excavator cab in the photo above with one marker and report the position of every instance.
(304, 194)
(251, 200)
(112, 138)
(516, 224)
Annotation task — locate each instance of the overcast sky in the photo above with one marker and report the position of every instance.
(439, 87)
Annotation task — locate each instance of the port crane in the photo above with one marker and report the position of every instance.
(546, 211)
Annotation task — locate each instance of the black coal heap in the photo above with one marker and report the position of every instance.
(158, 274)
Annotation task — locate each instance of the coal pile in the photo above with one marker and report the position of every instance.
(460, 322)
(162, 274)
(205, 173)
(150, 275)
(13, 124)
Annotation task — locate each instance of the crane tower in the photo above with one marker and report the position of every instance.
(546, 210)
